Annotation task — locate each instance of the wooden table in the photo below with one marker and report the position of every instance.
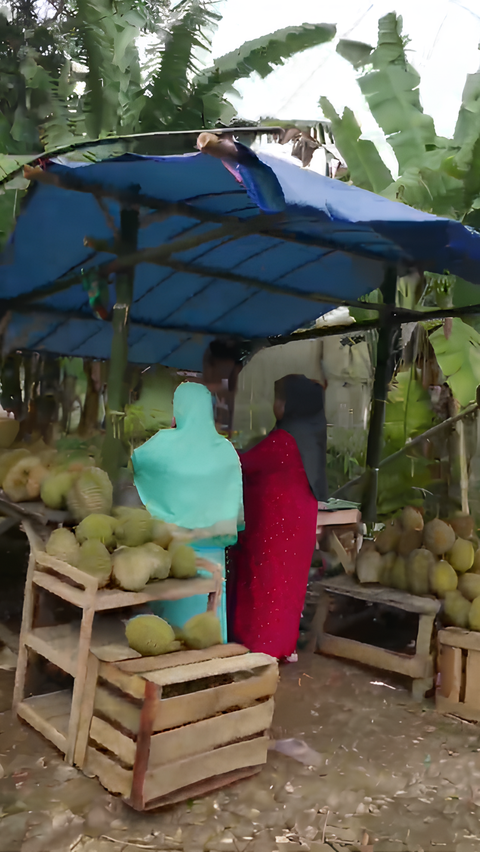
(419, 666)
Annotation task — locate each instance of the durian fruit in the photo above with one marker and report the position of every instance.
(161, 560)
(63, 545)
(469, 586)
(183, 561)
(98, 527)
(8, 458)
(95, 559)
(388, 561)
(474, 615)
(149, 635)
(36, 477)
(389, 537)
(131, 568)
(161, 534)
(411, 519)
(438, 537)
(418, 569)
(202, 631)
(16, 480)
(475, 569)
(133, 527)
(91, 493)
(461, 556)
(456, 609)
(443, 578)
(398, 574)
(8, 431)
(462, 525)
(55, 488)
(410, 540)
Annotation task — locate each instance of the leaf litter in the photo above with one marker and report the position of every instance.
(357, 775)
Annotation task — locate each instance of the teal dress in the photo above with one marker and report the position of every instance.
(191, 477)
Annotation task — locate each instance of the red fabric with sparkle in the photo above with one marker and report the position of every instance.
(271, 561)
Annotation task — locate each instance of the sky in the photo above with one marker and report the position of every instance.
(444, 48)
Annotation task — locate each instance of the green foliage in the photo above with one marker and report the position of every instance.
(458, 355)
(366, 167)
(408, 414)
(436, 174)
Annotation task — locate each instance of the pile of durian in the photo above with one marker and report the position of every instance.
(440, 558)
(127, 549)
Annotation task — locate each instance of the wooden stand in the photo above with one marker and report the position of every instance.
(69, 646)
(419, 666)
(458, 689)
(165, 729)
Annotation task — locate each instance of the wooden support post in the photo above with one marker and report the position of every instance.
(387, 337)
(144, 738)
(80, 679)
(27, 624)
(114, 453)
(86, 710)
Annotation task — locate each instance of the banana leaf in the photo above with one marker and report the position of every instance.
(458, 355)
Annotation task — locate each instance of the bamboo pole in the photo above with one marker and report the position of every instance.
(115, 454)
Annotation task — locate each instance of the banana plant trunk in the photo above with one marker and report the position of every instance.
(115, 452)
(386, 345)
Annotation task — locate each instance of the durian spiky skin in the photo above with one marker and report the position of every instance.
(150, 635)
(63, 545)
(131, 568)
(97, 526)
(91, 493)
(202, 631)
(55, 488)
(462, 555)
(438, 537)
(94, 559)
(134, 527)
(443, 578)
(183, 561)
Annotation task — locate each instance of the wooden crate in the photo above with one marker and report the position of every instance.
(166, 729)
(458, 681)
(70, 647)
(418, 666)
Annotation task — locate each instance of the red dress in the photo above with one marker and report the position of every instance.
(271, 561)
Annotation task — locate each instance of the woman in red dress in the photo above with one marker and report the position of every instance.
(284, 479)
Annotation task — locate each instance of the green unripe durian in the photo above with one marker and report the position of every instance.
(183, 561)
(91, 493)
(131, 568)
(161, 560)
(95, 560)
(202, 631)
(443, 578)
(63, 545)
(149, 635)
(97, 527)
(55, 489)
(133, 527)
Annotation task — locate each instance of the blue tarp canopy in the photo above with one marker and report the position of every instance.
(245, 272)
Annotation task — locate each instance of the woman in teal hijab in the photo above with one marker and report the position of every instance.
(191, 477)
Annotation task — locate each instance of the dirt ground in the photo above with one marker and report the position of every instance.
(382, 765)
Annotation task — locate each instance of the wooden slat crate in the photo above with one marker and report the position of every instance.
(166, 729)
(458, 683)
(76, 648)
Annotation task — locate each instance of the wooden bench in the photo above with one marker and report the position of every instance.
(418, 666)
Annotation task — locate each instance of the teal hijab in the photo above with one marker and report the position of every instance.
(190, 476)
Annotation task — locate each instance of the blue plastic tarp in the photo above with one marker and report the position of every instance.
(331, 239)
